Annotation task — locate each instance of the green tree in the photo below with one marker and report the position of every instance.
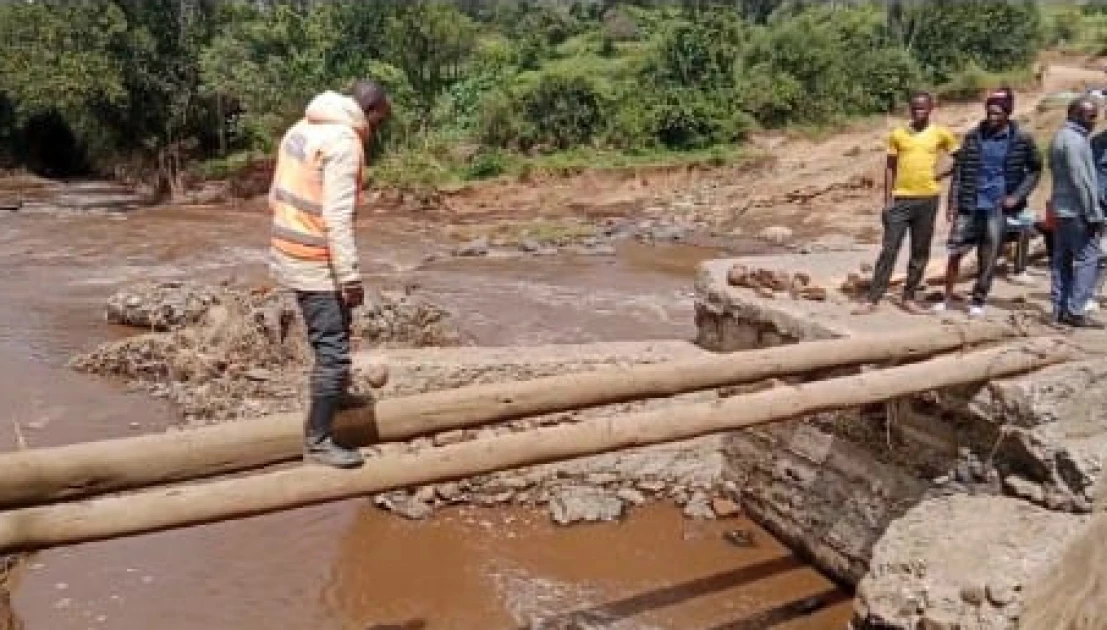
(948, 35)
(61, 59)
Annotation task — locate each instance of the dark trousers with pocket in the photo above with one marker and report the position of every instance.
(328, 327)
(914, 215)
(984, 231)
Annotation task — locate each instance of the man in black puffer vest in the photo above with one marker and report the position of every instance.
(996, 169)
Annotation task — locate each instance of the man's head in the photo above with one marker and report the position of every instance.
(921, 104)
(998, 107)
(373, 101)
(1083, 111)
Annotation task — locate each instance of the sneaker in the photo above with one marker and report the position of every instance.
(940, 307)
(1021, 278)
(976, 311)
(327, 453)
(1092, 306)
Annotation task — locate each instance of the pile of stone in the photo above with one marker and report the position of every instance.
(592, 489)
(768, 284)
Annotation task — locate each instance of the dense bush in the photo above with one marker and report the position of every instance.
(116, 83)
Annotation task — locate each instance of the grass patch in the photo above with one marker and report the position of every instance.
(227, 167)
(971, 83)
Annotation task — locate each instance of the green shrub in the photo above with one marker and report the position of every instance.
(996, 35)
(973, 82)
(556, 111)
(486, 164)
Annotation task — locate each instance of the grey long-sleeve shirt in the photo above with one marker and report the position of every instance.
(1075, 184)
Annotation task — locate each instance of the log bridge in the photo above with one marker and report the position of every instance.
(112, 488)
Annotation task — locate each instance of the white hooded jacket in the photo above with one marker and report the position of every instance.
(335, 126)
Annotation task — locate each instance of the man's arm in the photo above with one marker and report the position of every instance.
(1033, 171)
(954, 187)
(1078, 154)
(340, 187)
(891, 167)
(1091, 182)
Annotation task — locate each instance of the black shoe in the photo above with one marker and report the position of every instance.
(324, 451)
(1081, 321)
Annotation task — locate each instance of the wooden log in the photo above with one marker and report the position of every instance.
(167, 508)
(50, 474)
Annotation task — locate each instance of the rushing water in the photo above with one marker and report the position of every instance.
(347, 565)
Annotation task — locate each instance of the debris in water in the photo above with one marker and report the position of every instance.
(740, 538)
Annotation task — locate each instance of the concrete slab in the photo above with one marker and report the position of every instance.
(1010, 302)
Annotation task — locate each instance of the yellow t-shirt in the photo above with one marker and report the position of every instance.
(917, 159)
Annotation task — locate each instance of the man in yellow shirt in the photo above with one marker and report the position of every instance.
(911, 195)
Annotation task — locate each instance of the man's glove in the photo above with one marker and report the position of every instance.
(353, 294)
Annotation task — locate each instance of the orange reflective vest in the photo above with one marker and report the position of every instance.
(296, 196)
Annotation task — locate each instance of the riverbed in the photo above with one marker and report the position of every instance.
(349, 565)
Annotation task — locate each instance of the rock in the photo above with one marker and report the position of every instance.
(1002, 591)
(631, 496)
(1024, 489)
(574, 504)
(405, 505)
(1058, 500)
(668, 233)
(475, 247)
(603, 250)
(449, 491)
(969, 546)
(740, 538)
(161, 306)
(725, 508)
(972, 594)
(978, 471)
(699, 507)
(601, 479)
(939, 620)
(426, 494)
(962, 473)
(259, 375)
(777, 234)
(808, 606)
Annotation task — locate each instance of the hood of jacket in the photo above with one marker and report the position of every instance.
(334, 108)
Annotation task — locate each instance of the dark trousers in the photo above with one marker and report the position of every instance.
(328, 326)
(1075, 266)
(906, 214)
(985, 232)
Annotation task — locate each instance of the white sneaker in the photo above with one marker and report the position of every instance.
(940, 307)
(976, 312)
(1092, 306)
(1021, 278)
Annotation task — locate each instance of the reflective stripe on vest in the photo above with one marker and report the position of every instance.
(296, 198)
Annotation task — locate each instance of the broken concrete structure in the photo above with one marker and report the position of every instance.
(937, 507)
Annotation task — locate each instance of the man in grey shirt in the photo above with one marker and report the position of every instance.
(1075, 205)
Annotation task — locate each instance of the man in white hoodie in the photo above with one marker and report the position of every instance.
(314, 196)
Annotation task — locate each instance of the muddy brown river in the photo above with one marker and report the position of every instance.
(349, 566)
